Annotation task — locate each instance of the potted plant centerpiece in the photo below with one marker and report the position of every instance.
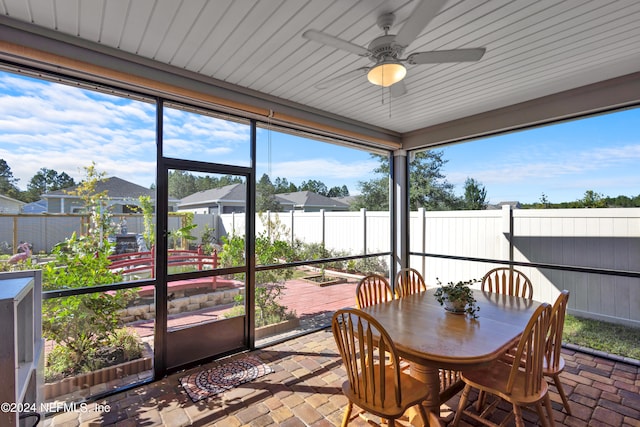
(457, 297)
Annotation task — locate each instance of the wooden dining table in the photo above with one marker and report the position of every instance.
(430, 337)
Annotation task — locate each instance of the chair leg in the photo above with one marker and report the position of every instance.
(547, 404)
(517, 412)
(565, 401)
(347, 414)
(480, 402)
(463, 401)
(541, 416)
(423, 415)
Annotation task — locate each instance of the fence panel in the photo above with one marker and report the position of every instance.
(595, 238)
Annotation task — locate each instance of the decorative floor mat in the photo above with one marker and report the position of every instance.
(203, 384)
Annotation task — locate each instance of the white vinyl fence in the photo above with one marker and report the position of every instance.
(607, 239)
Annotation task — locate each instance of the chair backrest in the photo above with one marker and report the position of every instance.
(507, 281)
(373, 289)
(409, 281)
(531, 352)
(363, 344)
(556, 327)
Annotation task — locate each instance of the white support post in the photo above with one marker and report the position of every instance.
(400, 195)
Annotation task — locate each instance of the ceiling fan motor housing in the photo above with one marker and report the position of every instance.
(384, 48)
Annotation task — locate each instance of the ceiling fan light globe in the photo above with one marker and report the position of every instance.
(386, 73)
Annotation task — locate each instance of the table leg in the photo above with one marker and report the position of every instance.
(429, 376)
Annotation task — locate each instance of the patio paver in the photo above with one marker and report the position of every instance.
(305, 390)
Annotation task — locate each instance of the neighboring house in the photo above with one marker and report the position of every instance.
(228, 199)
(123, 197)
(9, 205)
(231, 198)
(347, 200)
(35, 207)
(309, 201)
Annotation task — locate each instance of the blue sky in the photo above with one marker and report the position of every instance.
(64, 128)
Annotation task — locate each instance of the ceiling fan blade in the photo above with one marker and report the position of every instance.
(440, 56)
(396, 90)
(332, 81)
(330, 40)
(424, 12)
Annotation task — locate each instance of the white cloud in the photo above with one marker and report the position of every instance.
(323, 169)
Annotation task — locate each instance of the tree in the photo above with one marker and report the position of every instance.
(47, 180)
(8, 183)
(544, 202)
(592, 199)
(475, 195)
(181, 184)
(428, 187)
(283, 186)
(338, 191)
(265, 196)
(374, 195)
(314, 186)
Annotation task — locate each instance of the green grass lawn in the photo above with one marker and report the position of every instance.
(608, 337)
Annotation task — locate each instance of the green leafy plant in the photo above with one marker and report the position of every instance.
(208, 239)
(270, 249)
(147, 207)
(81, 325)
(183, 234)
(458, 297)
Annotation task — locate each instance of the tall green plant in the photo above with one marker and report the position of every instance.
(183, 234)
(149, 234)
(82, 324)
(270, 249)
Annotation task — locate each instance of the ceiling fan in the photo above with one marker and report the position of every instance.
(386, 51)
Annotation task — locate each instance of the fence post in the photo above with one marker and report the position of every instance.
(363, 217)
(422, 223)
(291, 213)
(200, 254)
(15, 235)
(322, 228)
(506, 246)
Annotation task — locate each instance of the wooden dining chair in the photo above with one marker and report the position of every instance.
(378, 388)
(409, 281)
(373, 289)
(507, 281)
(521, 384)
(553, 361)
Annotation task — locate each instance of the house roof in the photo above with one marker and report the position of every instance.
(309, 199)
(117, 188)
(39, 206)
(228, 193)
(236, 193)
(11, 199)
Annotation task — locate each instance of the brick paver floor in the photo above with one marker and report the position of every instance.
(305, 390)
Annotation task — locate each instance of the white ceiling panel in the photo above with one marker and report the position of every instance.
(533, 48)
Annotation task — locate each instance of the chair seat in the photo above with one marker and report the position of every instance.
(549, 371)
(493, 379)
(412, 393)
